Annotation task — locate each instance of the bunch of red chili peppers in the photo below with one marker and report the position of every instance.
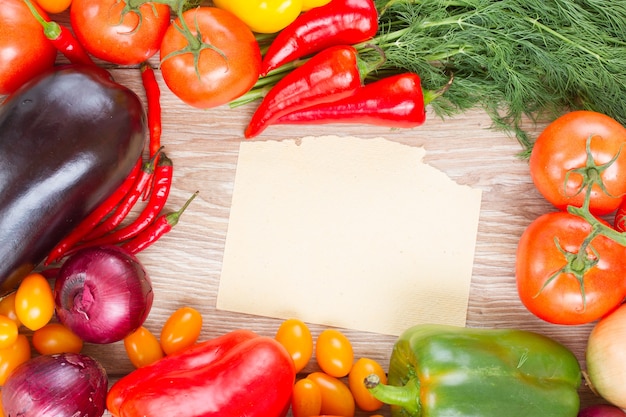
(150, 180)
(330, 86)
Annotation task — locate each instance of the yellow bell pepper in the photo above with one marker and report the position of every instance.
(263, 16)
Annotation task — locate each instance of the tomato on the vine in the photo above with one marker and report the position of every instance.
(116, 32)
(209, 58)
(558, 285)
(24, 49)
(578, 150)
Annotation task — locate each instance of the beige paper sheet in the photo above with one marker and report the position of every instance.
(348, 232)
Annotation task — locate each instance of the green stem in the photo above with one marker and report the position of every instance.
(51, 29)
(406, 396)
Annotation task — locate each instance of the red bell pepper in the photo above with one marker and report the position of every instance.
(397, 101)
(340, 22)
(331, 74)
(237, 374)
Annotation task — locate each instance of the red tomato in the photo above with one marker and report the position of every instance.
(546, 279)
(115, 32)
(296, 337)
(560, 157)
(24, 50)
(334, 353)
(221, 67)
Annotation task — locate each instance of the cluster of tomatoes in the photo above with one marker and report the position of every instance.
(570, 262)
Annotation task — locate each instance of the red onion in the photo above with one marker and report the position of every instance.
(66, 384)
(103, 294)
(601, 410)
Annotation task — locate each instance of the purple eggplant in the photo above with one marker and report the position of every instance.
(68, 138)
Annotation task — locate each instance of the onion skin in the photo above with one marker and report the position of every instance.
(103, 294)
(601, 410)
(66, 384)
(606, 357)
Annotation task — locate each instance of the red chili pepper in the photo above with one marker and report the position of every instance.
(395, 101)
(340, 22)
(87, 225)
(126, 205)
(201, 354)
(161, 226)
(62, 39)
(163, 175)
(329, 75)
(252, 378)
(153, 97)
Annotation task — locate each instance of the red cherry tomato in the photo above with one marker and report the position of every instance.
(181, 330)
(56, 338)
(227, 65)
(334, 353)
(296, 337)
(142, 347)
(112, 33)
(24, 49)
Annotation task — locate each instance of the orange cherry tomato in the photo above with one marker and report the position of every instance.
(56, 338)
(8, 332)
(34, 301)
(296, 337)
(142, 347)
(181, 330)
(54, 6)
(334, 353)
(337, 400)
(13, 356)
(360, 370)
(306, 399)
(7, 308)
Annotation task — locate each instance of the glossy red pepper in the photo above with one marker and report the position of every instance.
(154, 231)
(329, 75)
(396, 101)
(340, 22)
(238, 374)
(153, 98)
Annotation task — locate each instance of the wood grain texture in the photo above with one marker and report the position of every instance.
(185, 265)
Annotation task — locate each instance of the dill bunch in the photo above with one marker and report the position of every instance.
(513, 58)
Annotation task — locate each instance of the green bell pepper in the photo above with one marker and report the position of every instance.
(448, 371)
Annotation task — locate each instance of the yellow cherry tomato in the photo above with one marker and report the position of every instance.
(296, 337)
(56, 338)
(34, 301)
(337, 400)
(8, 332)
(334, 353)
(54, 6)
(306, 398)
(181, 330)
(7, 308)
(142, 347)
(13, 356)
(263, 16)
(309, 4)
(360, 370)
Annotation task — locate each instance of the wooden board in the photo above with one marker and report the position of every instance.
(203, 144)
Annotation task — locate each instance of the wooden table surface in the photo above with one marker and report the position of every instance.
(185, 265)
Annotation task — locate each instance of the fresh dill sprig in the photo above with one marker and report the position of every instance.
(513, 58)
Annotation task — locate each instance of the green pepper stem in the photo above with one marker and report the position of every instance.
(406, 396)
